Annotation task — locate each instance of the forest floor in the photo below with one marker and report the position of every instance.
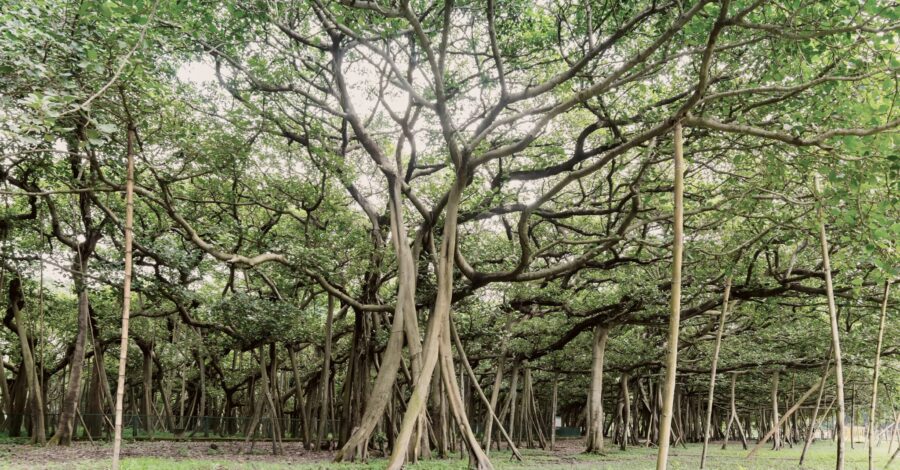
(179, 455)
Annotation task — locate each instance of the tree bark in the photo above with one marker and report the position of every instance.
(491, 416)
(626, 410)
(381, 391)
(835, 336)
(126, 297)
(326, 375)
(776, 441)
(812, 421)
(435, 329)
(594, 441)
(65, 427)
(553, 400)
(665, 425)
(874, 404)
(492, 405)
(777, 422)
(147, 386)
(16, 303)
(712, 373)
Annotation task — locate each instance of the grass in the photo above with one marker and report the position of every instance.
(820, 457)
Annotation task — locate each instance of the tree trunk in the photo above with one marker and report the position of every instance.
(126, 297)
(326, 375)
(874, 404)
(776, 441)
(812, 421)
(778, 422)
(665, 425)
(491, 416)
(626, 410)
(835, 337)
(712, 373)
(553, 402)
(594, 443)
(65, 427)
(147, 373)
(381, 391)
(299, 406)
(440, 318)
(492, 405)
(16, 303)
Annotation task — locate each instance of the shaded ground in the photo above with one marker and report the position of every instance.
(174, 455)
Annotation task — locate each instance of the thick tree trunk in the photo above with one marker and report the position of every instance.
(440, 317)
(594, 442)
(665, 424)
(381, 391)
(65, 427)
(478, 460)
(19, 402)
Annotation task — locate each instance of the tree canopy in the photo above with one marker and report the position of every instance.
(345, 205)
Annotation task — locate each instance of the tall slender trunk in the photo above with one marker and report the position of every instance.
(776, 441)
(299, 406)
(270, 401)
(626, 410)
(201, 372)
(512, 399)
(478, 460)
(812, 420)
(553, 400)
(326, 375)
(474, 379)
(492, 405)
(733, 418)
(126, 298)
(712, 373)
(665, 424)
(835, 337)
(874, 405)
(147, 373)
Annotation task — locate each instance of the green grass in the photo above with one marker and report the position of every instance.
(820, 457)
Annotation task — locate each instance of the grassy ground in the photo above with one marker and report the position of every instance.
(200, 456)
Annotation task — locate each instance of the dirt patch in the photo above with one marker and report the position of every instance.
(32, 456)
